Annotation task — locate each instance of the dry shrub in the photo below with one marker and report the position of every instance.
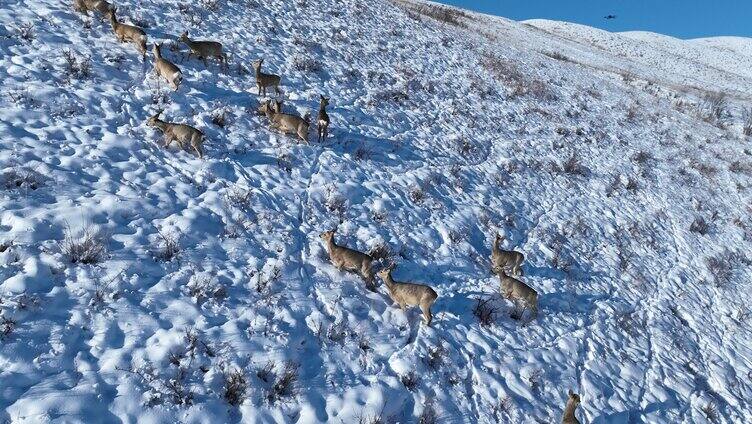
(507, 72)
(284, 383)
(485, 311)
(723, 266)
(444, 14)
(211, 5)
(77, 66)
(715, 108)
(747, 122)
(363, 153)
(700, 226)
(168, 246)
(557, 56)
(239, 196)
(235, 387)
(628, 76)
(219, 117)
(436, 357)
(5, 245)
(428, 415)
(416, 195)
(202, 287)
(711, 412)
(740, 167)
(410, 380)
(642, 157)
(573, 166)
(379, 418)
(25, 31)
(381, 251)
(335, 202)
(7, 325)
(306, 64)
(87, 246)
(705, 169)
(20, 178)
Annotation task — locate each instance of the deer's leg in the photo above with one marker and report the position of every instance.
(167, 141)
(524, 308)
(426, 308)
(196, 143)
(181, 142)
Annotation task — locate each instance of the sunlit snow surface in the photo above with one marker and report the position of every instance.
(441, 135)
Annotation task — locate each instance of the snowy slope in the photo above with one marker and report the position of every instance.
(659, 58)
(633, 217)
(738, 45)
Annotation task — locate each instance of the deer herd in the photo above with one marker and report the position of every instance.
(403, 294)
(164, 69)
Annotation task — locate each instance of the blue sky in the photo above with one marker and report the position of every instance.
(679, 18)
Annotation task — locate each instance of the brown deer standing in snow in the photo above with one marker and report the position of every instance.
(129, 33)
(204, 49)
(285, 122)
(179, 132)
(514, 290)
(410, 294)
(86, 6)
(344, 258)
(506, 259)
(265, 80)
(166, 69)
(572, 403)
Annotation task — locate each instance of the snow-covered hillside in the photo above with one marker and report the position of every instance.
(215, 301)
(718, 64)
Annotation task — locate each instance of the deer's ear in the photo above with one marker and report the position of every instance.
(570, 393)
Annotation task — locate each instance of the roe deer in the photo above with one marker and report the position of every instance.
(506, 259)
(514, 289)
(344, 258)
(204, 49)
(265, 80)
(323, 118)
(86, 6)
(569, 410)
(179, 132)
(129, 33)
(410, 294)
(276, 106)
(166, 69)
(283, 121)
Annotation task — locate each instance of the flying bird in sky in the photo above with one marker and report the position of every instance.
(610, 17)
